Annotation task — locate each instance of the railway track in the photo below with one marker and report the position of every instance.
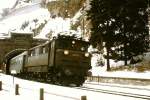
(117, 92)
(134, 95)
(119, 86)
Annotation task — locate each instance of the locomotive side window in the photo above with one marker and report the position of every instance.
(37, 51)
(45, 49)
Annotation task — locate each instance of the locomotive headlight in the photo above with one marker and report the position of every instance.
(66, 52)
(82, 49)
(87, 54)
(73, 42)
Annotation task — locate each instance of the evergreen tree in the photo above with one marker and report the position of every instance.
(133, 20)
(121, 25)
(103, 30)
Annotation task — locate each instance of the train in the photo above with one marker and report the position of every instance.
(64, 60)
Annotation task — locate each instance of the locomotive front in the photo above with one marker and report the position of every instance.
(72, 59)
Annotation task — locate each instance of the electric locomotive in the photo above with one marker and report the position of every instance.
(63, 60)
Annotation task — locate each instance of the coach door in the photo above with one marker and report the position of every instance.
(24, 61)
(52, 53)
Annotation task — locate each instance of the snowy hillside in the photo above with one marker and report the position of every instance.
(25, 18)
(32, 17)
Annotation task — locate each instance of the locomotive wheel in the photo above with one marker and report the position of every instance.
(80, 80)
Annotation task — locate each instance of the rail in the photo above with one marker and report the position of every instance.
(116, 92)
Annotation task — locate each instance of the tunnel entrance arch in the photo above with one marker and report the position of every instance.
(10, 55)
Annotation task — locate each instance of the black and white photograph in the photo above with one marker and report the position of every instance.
(75, 50)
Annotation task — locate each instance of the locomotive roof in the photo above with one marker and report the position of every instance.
(69, 37)
(60, 37)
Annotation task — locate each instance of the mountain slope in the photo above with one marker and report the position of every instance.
(42, 21)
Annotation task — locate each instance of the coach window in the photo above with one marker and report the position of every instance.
(41, 50)
(44, 50)
(37, 51)
(33, 53)
(29, 53)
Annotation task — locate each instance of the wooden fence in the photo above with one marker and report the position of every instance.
(119, 80)
(41, 92)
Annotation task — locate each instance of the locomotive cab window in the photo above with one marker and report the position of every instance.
(72, 45)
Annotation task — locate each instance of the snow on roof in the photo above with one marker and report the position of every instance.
(21, 32)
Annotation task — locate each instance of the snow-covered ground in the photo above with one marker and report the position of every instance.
(30, 90)
(101, 70)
